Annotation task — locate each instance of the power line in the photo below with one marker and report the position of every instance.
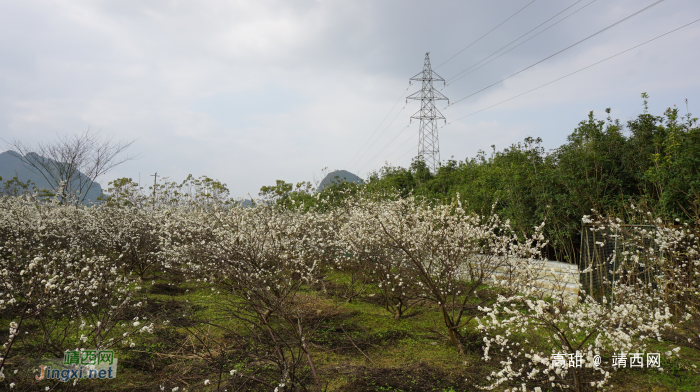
(384, 148)
(489, 32)
(399, 147)
(392, 153)
(575, 72)
(397, 159)
(402, 144)
(518, 45)
(402, 155)
(380, 135)
(379, 126)
(567, 48)
(511, 42)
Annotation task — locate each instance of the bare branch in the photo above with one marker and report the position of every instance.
(72, 164)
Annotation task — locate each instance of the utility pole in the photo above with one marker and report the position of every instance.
(428, 143)
(155, 178)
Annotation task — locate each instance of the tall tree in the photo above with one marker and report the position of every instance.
(72, 164)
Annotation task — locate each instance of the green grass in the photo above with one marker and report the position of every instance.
(357, 347)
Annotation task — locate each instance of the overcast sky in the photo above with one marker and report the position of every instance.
(249, 92)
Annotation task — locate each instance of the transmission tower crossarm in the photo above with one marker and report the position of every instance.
(422, 94)
(421, 76)
(435, 115)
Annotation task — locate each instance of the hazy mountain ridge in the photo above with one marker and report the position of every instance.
(11, 166)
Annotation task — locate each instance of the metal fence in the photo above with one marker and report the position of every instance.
(604, 252)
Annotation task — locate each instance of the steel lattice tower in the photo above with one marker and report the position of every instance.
(428, 143)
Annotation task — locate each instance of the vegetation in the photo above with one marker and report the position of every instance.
(412, 281)
(71, 165)
(653, 161)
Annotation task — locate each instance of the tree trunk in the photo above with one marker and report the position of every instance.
(455, 339)
(452, 331)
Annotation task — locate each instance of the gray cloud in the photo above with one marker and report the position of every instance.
(251, 92)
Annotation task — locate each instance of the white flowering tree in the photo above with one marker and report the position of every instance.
(526, 337)
(548, 342)
(263, 258)
(61, 283)
(191, 192)
(658, 256)
(134, 235)
(70, 277)
(442, 251)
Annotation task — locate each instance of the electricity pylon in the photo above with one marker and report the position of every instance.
(428, 143)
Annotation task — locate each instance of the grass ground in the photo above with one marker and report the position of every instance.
(357, 346)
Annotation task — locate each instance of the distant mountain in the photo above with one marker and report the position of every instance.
(337, 177)
(245, 203)
(11, 166)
